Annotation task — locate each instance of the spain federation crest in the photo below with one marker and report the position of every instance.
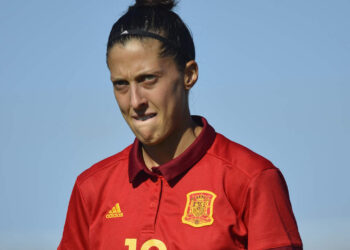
(199, 208)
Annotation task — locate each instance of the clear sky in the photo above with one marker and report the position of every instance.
(274, 76)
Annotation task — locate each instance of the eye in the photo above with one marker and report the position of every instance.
(148, 80)
(149, 77)
(120, 85)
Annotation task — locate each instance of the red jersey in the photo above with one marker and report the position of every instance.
(215, 195)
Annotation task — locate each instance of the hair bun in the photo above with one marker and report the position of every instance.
(167, 4)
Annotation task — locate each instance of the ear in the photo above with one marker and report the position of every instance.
(190, 74)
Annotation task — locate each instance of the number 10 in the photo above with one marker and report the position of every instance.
(131, 243)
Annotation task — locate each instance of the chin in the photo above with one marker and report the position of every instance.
(150, 141)
(151, 137)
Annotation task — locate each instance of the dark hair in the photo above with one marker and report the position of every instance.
(155, 17)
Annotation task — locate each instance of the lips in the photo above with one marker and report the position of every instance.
(144, 117)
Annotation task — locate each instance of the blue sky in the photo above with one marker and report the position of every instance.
(274, 76)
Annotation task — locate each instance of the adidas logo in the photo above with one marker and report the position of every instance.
(114, 212)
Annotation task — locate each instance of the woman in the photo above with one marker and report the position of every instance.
(180, 185)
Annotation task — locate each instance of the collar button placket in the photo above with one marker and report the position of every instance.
(152, 208)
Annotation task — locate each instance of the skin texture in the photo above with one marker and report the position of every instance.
(152, 95)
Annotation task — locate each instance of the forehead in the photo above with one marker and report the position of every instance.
(134, 49)
(135, 56)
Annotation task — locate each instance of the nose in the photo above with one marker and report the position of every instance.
(137, 100)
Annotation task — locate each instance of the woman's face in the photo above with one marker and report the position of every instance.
(149, 89)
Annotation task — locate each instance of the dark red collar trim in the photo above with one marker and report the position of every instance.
(180, 164)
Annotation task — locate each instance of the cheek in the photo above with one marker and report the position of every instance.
(178, 95)
(122, 102)
(173, 91)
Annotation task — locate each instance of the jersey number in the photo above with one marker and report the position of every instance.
(131, 243)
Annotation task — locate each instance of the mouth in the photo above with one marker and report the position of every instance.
(144, 117)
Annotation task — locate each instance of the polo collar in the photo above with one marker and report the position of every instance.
(178, 165)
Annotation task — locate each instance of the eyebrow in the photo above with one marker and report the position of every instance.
(116, 79)
(140, 75)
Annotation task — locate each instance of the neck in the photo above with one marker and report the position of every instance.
(173, 146)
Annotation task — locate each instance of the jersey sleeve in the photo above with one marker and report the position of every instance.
(76, 228)
(268, 213)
